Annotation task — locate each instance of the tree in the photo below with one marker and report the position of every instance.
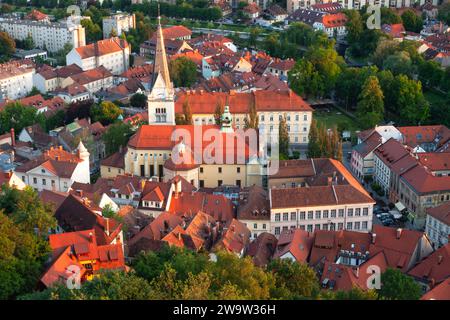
(17, 116)
(93, 30)
(106, 112)
(283, 137)
(370, 109)
(253, 120)
(249, 279)
(34, 91)
(398, 63)
(389, 16)
(183, 72)
(187, 113)
(444, 13)
(411, 21)
(293, 280)
(313, 143)
(116, 135)
(385, 48)
(7, 44)
(218, 113)
(305, 80)
(354, 294)
(412, 106)
(398, 286)
(138, 100)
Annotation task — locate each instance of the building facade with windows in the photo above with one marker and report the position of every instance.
(120, 22)
(438, 224)
(318, 194)
(52, 36)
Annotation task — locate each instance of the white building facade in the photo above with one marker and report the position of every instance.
(50, 35)
(120, 22)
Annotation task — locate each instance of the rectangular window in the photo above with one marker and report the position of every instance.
(358, 212)
(220, 169)
(44, 182)
(201, 170)
(364, 225)
(365, 211)
(357, 225)
(264, 226)
(277, 217)
(310, 215)
(35, 180)
(293, 216)
(340, 226)
(285, 216)
(238, 183)
(349, 226)
(318, 214)
(255, 226)
(277, 231)
(302, 215)
(317, 227)
(310, 227)
(341, 213)
(333, 213)
(325, 214)
(238, 169)
(219, 183)
(350, 212)
(202, 183)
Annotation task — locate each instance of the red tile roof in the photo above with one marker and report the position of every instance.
(423, 181)
(239, 102)
(398, 245)
(435, 268)
(175, 32)
(296, 242)
(334, 20)
(435, 161)
(395, 30)
(416, 135)
(116, 160)
(236, 237)
(440, 292)
(91, 75)
(262, 249)
(391, 151)
(441, 212)
(102, 47)
(36, 15)
(281, 64)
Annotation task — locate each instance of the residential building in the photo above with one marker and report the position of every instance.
(52, 36)
(440, 292)
(56, 169)
(333, 24)
(73, 93)
(79, 251)
(277, 12)
(362, 160)
(426, 138)
(252, 10)
(12, 180)
(319, 200)
(293, 5)
(112, 54)
(235, 238)
(254, 210)
(39, 103)
(93, 80)
(118, 23)
(295, 245)
(16, 79)
(438, 224)
(48, 79)
(280, 68)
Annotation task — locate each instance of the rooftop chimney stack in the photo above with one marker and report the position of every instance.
(374, 237)
(399, 233)
(440, 258)
(91, 237)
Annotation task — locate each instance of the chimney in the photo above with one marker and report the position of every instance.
(330, 181)
(142, 184)
(440, 258)
(80, 193)
(91, 237)
(13, 138)
(357, 272)
(179, 236)
(399, 233)
(374, 237)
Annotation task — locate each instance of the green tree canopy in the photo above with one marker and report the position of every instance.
(183, 72)
(370, 109)
(138, 100)
(116, 135)
(106, 112)
(398, 286)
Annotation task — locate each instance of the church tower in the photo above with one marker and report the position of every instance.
(161, 99)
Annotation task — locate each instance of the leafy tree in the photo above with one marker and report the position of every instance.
(313, 143)
(283, 137)
(305, 80)
(17, 116)
(444, 13)
(252, 121)
(183, 71)
(353, 294)
(79, 109)
(430, 73)
(93, 30)
(398, 63)
(389, 16)
(106, 112)
(115, 136)
(362, 41)
(370, 109)
(412, 105)
(411, 21)
(398, 286)
(293, 280)
(385, 48)
(34, 91)
(218, 112)
(249, 279)
(187, 113)
(7, 44)
(138, 100)
(55, 120)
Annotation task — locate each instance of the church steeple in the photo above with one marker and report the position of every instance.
(160, 65)
(161, 98)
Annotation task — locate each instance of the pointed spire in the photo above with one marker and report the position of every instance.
(160, 65)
